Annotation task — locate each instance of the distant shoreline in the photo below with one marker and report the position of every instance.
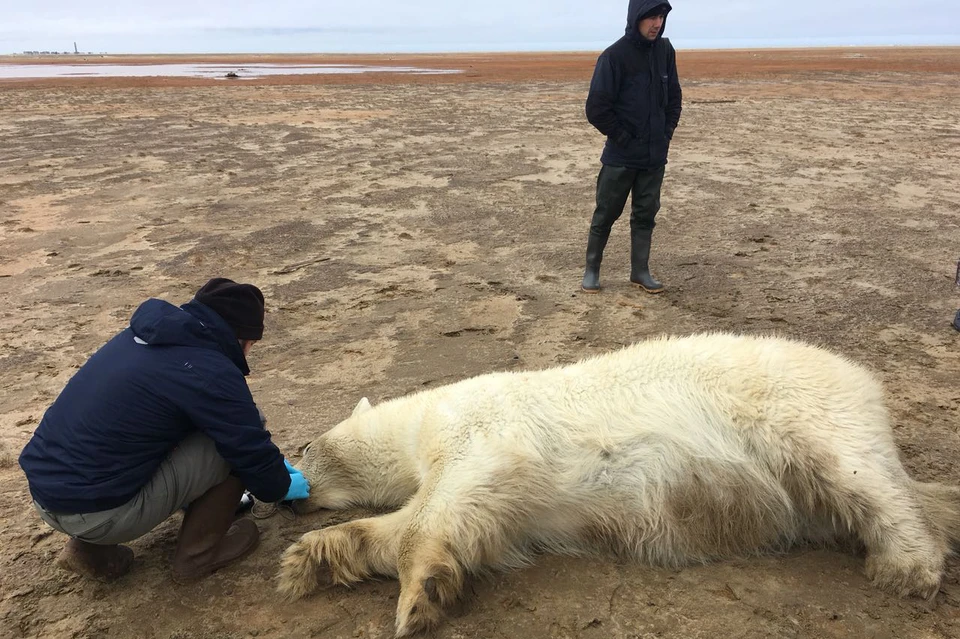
(335, 54)
(528, 67)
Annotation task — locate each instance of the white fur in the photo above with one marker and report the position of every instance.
(671, 451)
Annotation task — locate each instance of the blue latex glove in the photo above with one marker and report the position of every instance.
(299, 487)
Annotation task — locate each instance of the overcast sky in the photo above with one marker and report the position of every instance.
(432, 25)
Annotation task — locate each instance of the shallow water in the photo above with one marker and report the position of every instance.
(213, 71)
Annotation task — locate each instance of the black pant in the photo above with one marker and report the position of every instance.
(613, 185)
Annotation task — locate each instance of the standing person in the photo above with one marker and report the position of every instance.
(956, 318)
(159, 419)
(635, 100)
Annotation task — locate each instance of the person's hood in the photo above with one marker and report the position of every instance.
(160, 323)
(639, 7)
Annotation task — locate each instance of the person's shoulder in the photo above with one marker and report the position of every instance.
(666, 45)
(213, 366)
(617, 51)
(220, 378)
(623, 44)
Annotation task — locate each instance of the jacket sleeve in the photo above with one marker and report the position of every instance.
(604, 90)
(674, 94)
(224, 410)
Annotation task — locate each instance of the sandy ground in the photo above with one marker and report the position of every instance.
(412, 231)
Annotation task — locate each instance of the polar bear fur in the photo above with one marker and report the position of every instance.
(670, 451)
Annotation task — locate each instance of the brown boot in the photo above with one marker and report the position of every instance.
(209, 537)
(102, 563)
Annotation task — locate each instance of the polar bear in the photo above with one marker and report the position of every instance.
(670, 451)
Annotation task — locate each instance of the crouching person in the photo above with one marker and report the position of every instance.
(161, 419)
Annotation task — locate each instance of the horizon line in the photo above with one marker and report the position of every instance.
(472, 51)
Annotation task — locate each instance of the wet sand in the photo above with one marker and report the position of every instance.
(410, 231)
(519, 67)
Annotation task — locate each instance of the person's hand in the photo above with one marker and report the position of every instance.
(299, 486)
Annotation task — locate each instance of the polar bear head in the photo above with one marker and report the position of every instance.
(330, 463)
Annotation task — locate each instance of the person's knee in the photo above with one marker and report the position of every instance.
(607, 212)
(643, 223)
(602, 226)
(643, 214)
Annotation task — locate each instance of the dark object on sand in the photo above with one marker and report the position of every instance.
(246, 503)
(231, 74)
(956, 321)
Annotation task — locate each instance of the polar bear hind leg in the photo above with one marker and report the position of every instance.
(880, 505)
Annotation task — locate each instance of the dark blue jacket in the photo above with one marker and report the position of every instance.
(635, 97)
(172, 372)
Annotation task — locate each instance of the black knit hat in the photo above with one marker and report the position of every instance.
(241, 305)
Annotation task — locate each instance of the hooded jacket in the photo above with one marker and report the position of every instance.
(173, 371)
(635, 97)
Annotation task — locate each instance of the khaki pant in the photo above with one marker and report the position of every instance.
(191, 469)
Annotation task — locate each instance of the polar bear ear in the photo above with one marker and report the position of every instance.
(362, 406)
